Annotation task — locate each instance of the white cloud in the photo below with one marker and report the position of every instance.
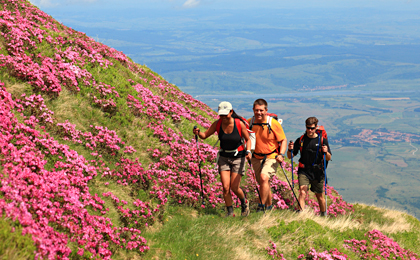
(191, 3)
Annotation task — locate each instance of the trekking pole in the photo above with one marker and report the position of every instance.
(199, 167)
(281, 165)
(325, 184)
(293, 183)
(256, 187)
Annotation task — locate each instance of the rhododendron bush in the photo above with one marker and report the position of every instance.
(378, 246)
(45, 184)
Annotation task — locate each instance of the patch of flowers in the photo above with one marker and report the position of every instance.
(51, 205)
(34, 105)
(333, 254)
(336, 205)
(272, 251)
(105, 100)
(378, 246)
(158, 108)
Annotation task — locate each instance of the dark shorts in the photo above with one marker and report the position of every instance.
(232, 164)
(316, 186)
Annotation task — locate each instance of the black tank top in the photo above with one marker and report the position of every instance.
(230, 142)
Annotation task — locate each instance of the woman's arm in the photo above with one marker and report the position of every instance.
(207, 133)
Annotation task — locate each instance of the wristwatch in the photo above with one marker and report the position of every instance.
(248, 151)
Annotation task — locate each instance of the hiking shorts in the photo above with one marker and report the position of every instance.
(316, 186)
(232, 164)
(269, 168)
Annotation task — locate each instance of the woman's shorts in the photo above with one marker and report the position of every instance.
(232, 164)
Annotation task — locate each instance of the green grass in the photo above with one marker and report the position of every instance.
(13, 244)
(190, 234)
(186, 233)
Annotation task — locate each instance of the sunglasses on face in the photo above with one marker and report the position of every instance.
(311, 128)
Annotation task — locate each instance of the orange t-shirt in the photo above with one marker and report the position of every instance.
(267, 142)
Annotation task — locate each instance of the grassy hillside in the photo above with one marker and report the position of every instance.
(97, 160)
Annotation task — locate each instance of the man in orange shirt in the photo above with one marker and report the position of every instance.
(267, 155)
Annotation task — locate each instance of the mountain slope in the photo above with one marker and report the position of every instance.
(96, 154)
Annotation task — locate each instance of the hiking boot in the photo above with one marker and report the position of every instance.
(260, 207)
(269, 208)
(245, 209)
(229, 212)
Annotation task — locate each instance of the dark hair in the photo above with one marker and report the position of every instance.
(260, 102)
(312, 120)
(234, 115)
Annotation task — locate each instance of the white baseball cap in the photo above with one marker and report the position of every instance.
(224, 108)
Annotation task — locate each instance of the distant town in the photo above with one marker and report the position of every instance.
(378, 136)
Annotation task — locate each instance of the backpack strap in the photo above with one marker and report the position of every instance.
(301, 165)
(301, 144)
(252, 123)
(269, 119)
(218, 126)
(238, 126)
(319, 150)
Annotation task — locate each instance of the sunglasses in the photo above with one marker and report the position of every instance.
(311, 128)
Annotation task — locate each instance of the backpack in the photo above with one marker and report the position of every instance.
(275, 117)
(270, 117)
(320, 131)
(239, 127)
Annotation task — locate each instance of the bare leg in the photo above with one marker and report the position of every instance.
(303, 192)
(225, 178)
(321, 201)
(265, 191)
(235, 180)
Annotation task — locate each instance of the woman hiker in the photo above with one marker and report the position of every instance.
(231, 129)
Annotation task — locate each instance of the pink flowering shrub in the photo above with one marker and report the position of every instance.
(159, 108)
(378, 246)
(333, 254)
(102, 97)
(336, 205)
(51, 205)
(34, 106)
(272, 251)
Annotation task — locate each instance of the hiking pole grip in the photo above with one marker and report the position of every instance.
(196, 136)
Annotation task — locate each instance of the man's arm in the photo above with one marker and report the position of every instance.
(326, 150)
(279, 134)
(283, 146)
(290, 149)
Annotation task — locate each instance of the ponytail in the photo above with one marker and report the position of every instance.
(234, 115)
